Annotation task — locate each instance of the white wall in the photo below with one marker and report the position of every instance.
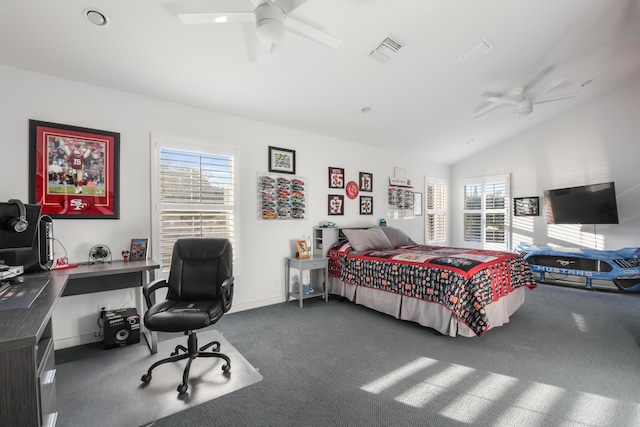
(596, 143)
(262, 245)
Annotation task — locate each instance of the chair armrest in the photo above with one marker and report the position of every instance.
(151, 287)
(227, 293)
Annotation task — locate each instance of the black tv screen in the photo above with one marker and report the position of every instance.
(587, 204)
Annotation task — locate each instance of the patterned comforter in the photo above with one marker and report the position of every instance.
(463, 280)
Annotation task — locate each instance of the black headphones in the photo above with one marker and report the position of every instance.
(20, 223)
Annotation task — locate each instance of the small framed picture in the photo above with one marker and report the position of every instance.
(526, 206)
(282, 160)
(366, 181)
(138, 249)
(303, 250)
(366, 205)
(336, 177)
(336, 204)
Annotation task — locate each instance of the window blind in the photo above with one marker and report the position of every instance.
(196, 198)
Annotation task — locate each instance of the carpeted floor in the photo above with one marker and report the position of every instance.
(568, 357)
(106, 390)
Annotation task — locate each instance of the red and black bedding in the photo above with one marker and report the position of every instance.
(464, 281)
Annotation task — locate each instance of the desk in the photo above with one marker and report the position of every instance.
(27, 366)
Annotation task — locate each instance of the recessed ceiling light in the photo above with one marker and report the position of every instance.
(96, 17)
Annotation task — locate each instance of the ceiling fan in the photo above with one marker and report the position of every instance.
(271, 19)
(524, 99)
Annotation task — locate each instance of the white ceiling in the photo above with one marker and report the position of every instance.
(422, 100)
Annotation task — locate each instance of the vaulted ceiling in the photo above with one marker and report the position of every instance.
(453, 56)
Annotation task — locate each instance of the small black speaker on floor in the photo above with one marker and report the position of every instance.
(120, 327)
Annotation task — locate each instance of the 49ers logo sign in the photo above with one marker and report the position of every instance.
(77, 205)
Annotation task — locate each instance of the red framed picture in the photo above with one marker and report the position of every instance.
(336, 204)
(336, 177)
(74, 171)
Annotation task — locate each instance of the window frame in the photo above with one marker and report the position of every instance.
(160, 141)
(440, 187)
(486, 211)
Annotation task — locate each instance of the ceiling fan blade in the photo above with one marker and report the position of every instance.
(556, 98)
(491, 110)
(501, 101)
(312, 33)
(216, 17)
(289, 5)
(546, 88)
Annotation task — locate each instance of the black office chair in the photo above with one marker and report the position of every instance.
(200, 291)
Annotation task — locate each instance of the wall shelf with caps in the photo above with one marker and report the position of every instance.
(282, 197)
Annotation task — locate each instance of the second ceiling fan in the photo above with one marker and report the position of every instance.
(271, 20)
(525, 99)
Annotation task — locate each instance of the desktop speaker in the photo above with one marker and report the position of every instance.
(120, 327)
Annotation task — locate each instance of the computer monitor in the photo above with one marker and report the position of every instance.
(11, 241)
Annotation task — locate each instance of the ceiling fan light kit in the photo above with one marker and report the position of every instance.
(524, 107)
(269, 23)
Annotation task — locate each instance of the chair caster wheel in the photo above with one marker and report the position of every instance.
(146, 378)
(226, 368)
(182, 388)
(174, 353)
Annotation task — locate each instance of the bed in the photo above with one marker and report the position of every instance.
(455, 291)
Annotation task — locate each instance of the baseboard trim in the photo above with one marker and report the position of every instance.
(61, 343)
(255, 304)
(89, 338)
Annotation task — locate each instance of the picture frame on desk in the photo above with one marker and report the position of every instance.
(303, 249)
(74, 171)
(138, 249)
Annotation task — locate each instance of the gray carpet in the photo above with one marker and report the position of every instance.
(569, 357)
(107, 391)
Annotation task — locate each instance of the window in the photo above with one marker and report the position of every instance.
(435, 211)
(486, 212)
(193, 188)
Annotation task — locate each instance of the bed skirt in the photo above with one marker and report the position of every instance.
(425, 313)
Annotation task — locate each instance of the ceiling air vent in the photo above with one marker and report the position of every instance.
(386, 50)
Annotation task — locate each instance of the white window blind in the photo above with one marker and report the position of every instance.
(486, 212)
(436, 211)
(195, 195)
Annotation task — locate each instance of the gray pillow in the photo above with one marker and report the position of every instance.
(372, 238)
(397, 237)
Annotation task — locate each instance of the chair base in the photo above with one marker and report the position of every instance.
(190, 353)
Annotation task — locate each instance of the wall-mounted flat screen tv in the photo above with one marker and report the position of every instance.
(587, 204)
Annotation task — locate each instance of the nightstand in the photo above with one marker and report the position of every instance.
(310, 264)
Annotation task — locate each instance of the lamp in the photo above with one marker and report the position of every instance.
(269, 23)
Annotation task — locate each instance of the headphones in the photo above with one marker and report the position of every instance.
(20, 223)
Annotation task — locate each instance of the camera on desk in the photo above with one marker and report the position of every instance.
(120, 327)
